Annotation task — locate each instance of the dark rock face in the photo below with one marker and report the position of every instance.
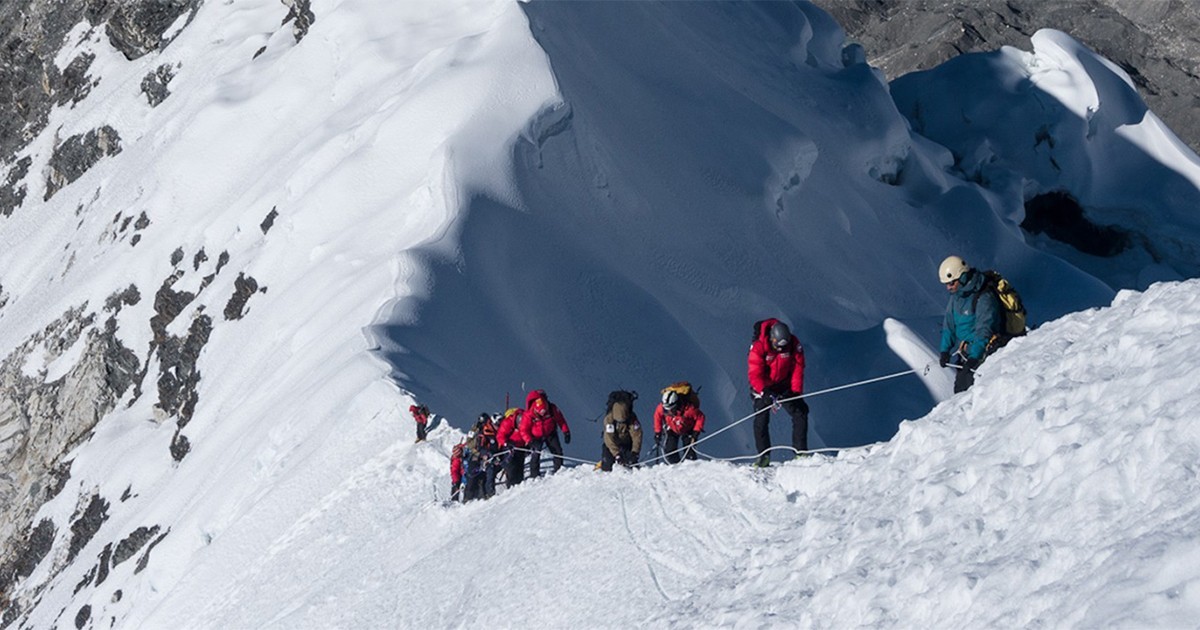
(140, 27)
(31, 34)
(178, 375)
(243, 287)
(301, 12)
(133, 543)
(87, 524)
(82, 617)
(79, 153)
(76, 84)
(12, 191)
(269, 221)
(42, 420)
(144, 561)
(102, 573)
(1154, 42)
(154, 85)
(34, 548)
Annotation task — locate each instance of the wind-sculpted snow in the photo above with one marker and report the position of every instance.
(1073, 122)
(493, 197)
(1060, 491)
(712, 165)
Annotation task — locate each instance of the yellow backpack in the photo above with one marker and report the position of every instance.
(1011, 307)
(685, 390)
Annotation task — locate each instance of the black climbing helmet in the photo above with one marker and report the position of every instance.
(780, 335)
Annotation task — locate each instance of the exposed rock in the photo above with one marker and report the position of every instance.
(154, 84)
(301, 12)
(77, 154)
(1154, 42)
(142, 26)
(82, 617)
(133, 543)
(168, 304)
(177, 257)
(269, 221)
(86, 524)
(12, 192)
(76, 84)
(199, 258)
(102, 567)
(87, 580)
(31, 550)
(32, 32)
(179, 376)
(243, 287)
(128, 297)
(40, 421)
(145, 559)
(180, 447)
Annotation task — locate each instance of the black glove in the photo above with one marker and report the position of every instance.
(625, 458)
(567, 437)
(943, 359)
(971, 364)
(658, 437)
(633, 459)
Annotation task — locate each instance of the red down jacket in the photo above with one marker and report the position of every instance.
(769, 368)
(688, 418)
(507, 433)
(541, 417)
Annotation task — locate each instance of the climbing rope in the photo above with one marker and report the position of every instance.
(780, 402)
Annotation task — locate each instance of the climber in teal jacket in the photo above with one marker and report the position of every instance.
(972, 318)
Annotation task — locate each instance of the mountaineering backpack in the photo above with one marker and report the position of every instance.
(689, 394)
(758, 329)
(620, 396)
(1010, 305)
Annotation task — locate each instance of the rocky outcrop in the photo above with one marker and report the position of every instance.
(32, 32)
(139, 27)
(42, 418)
(300, 15)
(243, 287)
(1154, 42)
(77, 154)
(12, 191)
(154, 85)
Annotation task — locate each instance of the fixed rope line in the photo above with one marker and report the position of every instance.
(574, 459)
(780, 402)
(664, 455)
(833, 449)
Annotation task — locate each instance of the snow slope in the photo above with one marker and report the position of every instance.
(1048, 495)
(495, 196)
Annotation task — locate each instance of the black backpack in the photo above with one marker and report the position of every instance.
(758, 329)
(622, 396)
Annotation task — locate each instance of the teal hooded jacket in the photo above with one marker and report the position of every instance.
(969, 319)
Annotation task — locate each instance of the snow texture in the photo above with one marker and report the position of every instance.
(479, 197)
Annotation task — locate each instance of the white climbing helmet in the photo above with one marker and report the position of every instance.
(952, 269)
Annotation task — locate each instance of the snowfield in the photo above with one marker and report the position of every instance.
(453, 202)
(1060, 491)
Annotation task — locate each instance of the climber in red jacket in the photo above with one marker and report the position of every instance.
(775, 368)
(539, 426)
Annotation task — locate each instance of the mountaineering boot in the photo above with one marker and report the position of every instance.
(763, 461)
